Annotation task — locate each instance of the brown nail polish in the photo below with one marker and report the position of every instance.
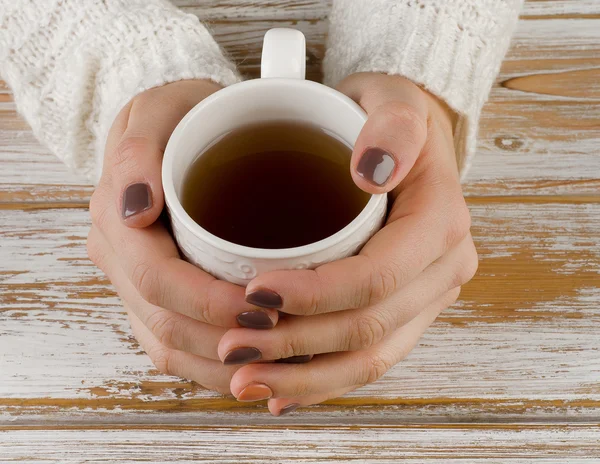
(265, 299)
(289, 408)
(255, 320)
(242, 356)
(137, 198)
(255, 392)
(376, 166)
(295, 359)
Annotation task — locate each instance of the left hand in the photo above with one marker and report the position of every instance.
(367, 312)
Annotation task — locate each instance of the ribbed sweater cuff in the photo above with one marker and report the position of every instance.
(452, 48)
(73, 65)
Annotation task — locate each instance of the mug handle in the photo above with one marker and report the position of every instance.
(283, 54)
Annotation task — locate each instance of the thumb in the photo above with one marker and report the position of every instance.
(134, 163)
(393, 136)
(136, 177)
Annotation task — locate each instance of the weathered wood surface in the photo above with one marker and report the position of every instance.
(540, 132)
(522, 343)
(520, 349)
(461, 444)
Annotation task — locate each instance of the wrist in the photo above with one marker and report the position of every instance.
(446, 120)
(440, 110)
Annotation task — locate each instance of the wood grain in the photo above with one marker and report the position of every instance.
(521, 343)
(510, 374)
(319, 9)
(540, 131)
(559, 84)
(461, 444)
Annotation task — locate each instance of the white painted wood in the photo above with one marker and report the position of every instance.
(313, 9)
(560, 7)
(225, 10)
(535, 143)
(522, 342)
(557, 137)
(557, 444)
(521, 345)
(28, 171)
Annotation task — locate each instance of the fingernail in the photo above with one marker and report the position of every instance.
(255, 320)
(289, 408)
(295, 359)
(376, 166)
(136, 199)
(242, 356)
(265, 299)
(255, 392)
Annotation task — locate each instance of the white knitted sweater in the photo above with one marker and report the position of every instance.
(73, 64)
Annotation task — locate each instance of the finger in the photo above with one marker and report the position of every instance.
(356, 329)
(208, 373)
(171, 329)
(394, 134)
(426, 220)
(334, 371)
(135, 162)
(285, 406)
(150, 261)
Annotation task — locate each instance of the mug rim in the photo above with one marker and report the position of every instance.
(176, 209)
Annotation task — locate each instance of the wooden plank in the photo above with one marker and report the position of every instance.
(319, 9)
(270, 10)
(521, 344)
(540, 131)
(511, 443)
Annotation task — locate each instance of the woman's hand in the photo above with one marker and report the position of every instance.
(177, 312)
(367, 312)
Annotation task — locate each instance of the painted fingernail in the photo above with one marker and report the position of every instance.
(289, 409)
(296, 359)
(242, 356)
(137, 198)
(255, 392)
(255, 320)
(265, 299)
(376, 166)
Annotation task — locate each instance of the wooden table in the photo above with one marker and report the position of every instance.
(509, 374)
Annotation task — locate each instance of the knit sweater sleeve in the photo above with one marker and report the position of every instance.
(73, 64)
(452, 48)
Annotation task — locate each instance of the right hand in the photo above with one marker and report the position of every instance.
(177, 312)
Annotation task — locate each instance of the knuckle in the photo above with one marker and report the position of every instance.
(453, 295)
(465, 269)
(165, 327)
(205, 312)
(373, 369)
(294, 346)
(458, 225)
(316, 297)
(368, 330)
(407, 120)
(98, 209)
(383, 282)
(456, 278)
(162, 357)
(206, 300)
(124, 155)
(313, 302)
(145, 279)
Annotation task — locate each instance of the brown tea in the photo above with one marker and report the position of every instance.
(273, 185)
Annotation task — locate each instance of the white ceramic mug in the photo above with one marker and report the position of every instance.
(281, 94)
